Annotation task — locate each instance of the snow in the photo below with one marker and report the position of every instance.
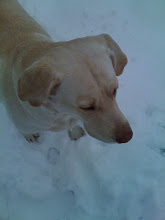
(58, 179)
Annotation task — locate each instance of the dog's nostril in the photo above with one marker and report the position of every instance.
(124, 137)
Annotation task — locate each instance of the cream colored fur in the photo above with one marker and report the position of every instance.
(49, 86)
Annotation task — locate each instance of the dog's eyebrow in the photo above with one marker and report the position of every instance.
(86, 101)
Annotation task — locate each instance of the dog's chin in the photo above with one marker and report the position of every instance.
(98, 137)
(109, 141)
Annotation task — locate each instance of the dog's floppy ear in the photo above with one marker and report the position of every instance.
(38, 82)
(119, 59)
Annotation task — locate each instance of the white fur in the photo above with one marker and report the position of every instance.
(49, 86)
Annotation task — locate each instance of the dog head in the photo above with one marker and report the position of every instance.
(79, 79)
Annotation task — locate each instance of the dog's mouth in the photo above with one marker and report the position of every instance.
(120, 140)
(98, 137)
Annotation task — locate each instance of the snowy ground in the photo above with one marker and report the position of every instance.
(89, 180)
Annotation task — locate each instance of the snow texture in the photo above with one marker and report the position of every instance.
(59, 179)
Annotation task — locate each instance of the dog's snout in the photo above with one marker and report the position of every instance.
(124, 134)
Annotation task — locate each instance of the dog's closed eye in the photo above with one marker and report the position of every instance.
(90, 108)
(87, 104)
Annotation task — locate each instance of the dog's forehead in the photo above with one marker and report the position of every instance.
(92, 48)
(87, 56)
(91, 51)
(89, 45)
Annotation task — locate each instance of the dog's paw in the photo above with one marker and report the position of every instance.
(76, 132)
(31, 137)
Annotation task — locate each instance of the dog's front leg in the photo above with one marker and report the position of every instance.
(31, 137)
(76, 133)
